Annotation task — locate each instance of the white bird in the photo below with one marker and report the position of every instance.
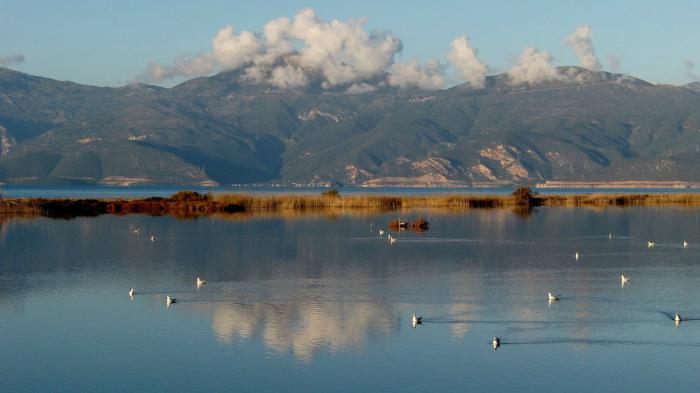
(650, 244)
(381, 232)
(136, 230)
(200, 282)
(169, 300)
(552, 298)
(132, 293)
(496, 343)
(153, 238)
(624, 279)
(392, 240)
(610, 236)
(685, 244)
(576, 255)
(416, 320)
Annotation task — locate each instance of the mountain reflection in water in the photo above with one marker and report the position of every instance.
(308, 298)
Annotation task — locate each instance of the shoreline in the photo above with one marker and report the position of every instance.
(192, 204)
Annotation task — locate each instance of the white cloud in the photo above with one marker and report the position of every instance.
(614, 63)
(464, 59)
(11, 59)
(429, 76)
(231, 51)
(360, 88)
(690, 70)
(581, 40)
(532, 67)
(288, 77)
(340, 52)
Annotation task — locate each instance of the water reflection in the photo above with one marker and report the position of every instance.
(303, 328)
(325, 295)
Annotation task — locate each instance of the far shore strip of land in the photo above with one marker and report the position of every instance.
(193, 204)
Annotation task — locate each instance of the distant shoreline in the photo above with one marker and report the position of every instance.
(618, 184)
(193, 204)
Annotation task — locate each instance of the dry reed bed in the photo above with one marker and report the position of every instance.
(190, 204)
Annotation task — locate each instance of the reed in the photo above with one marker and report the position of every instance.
(192, 204)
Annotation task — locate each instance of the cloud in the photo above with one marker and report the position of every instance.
(287, 77)
(690, 70)
(289, 48)
(614, 63)
(231, 51)
(532, 67)
(581, 40)
(428, 76)
(360, 88)
(464, 59)
(11, 59)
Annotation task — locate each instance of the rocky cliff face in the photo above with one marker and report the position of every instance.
(591, 126)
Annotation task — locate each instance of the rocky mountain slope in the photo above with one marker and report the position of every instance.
(592, 126)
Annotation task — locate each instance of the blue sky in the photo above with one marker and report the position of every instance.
(109, 43)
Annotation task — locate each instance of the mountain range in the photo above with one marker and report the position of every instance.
(589, 126)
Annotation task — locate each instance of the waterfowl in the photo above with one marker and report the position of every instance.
(132, 293)
(677, 318)
(685, 244)
(496, 343)
(650, 244)
(169, 300)
(576, 255)
(136, 230)
(381, 232)
(200, 282)
(392, 240)
(416, 320)
(610, 236)
(153, 238)
(624, 279)
(552, 298)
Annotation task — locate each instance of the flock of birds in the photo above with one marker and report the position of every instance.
(199, 282)
(381, 232)
(416, 320)
(496, 341)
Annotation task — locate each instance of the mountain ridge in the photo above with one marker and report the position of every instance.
(223, 129)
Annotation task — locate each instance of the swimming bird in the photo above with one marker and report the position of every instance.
(496, 343)
(552, 298)
(576, 255)
(392, 239)
(624, 279)
(381, 232)
(200, 282)
(136, 230)
(132, 293)
(416, 320)
(169, 300)
(650, 244)
(610, 236)
(685, 244)
(153, 238)
(677, 318)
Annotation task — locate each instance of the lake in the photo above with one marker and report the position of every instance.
(323, 303)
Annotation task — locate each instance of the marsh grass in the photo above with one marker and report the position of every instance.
(192, 204)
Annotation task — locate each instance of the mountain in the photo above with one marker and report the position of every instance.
(589, 126)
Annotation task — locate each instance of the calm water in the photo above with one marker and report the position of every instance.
(321, 304)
